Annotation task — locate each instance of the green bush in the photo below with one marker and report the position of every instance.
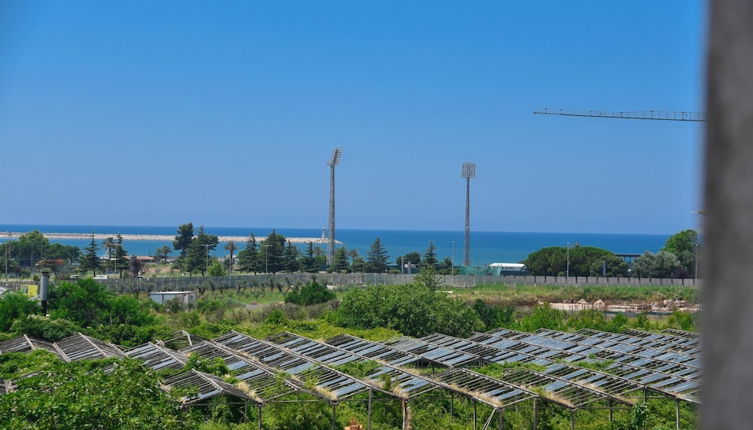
(14, 306)
(311, 294)
(84, 395)
(415, 310)
(44, 328)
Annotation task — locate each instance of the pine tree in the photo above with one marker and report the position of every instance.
(309, 263)
(376, 259)
(430, 257)
(271, 253)
(90, 260)
(290, 257)
(248, 259)
(196, 258)
(183, 239)
(340, 262)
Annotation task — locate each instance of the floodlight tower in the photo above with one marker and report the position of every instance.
(469, 171)
(334, 161)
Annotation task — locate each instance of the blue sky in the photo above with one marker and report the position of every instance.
(224, 113)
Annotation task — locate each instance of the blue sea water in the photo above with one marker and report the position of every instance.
(486, 247)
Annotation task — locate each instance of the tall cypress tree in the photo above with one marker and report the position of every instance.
(90, 260)
(376, 259)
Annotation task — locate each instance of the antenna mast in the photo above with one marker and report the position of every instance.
(334, 161)
(469, 171)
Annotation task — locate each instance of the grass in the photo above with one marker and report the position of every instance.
(532, 294)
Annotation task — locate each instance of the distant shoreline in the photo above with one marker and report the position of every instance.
(161, 237)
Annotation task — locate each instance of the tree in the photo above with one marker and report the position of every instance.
(584, 261)
(90, 260)
(183, 238)
(340, 262)
(196, 257)
(683, 246)
(162, 254)
(413, 258)
(430, 257)
(134, 266)
(121, 255)
(230, 247)
(660, 265)
(309, 263)
(290, 257)
(376, 259)
(248, 259)
(14, 306)
(216, 269)
(445, 267)
(33, 246)
(358, 265)
(271, 253)
(108, 244)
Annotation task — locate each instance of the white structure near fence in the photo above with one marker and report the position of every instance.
(183, 297)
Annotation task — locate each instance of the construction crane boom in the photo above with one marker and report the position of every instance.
(650, 115)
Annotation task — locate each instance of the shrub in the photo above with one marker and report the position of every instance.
(44, 328)
(311, 294)
(13, 306)
(411, 309)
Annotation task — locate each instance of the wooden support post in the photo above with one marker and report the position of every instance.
(406, 418)
(501, 418)
(572, 419)
(259, 418)
(677, 414)
(535, 415)
(452, 402)
(368, 423)
(611, 415)
(334, 416)
(474, 414)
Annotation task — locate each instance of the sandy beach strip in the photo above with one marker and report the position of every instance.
(160, 237)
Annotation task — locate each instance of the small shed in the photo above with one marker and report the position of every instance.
(184, 297)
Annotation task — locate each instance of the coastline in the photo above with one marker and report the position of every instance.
(161, 237)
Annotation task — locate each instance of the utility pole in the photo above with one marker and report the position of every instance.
(469, 171)
(567, 252)
(334, 161)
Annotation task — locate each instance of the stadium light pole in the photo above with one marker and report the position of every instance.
(332, 163)
(469, 171)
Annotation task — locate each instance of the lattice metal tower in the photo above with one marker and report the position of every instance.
(334, 161)
(469, 171)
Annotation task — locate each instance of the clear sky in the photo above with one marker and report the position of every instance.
(225, 113)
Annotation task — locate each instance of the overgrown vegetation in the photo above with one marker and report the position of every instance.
(376, 313)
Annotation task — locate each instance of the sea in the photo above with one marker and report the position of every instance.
(486, 246)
